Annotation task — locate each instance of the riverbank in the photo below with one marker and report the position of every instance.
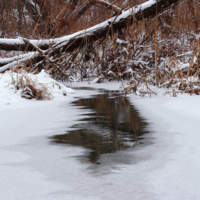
(171, 166)
(32, 169)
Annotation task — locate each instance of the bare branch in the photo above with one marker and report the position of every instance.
(71, 42)
(108, 5)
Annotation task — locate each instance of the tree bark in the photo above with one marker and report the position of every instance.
(81, 38)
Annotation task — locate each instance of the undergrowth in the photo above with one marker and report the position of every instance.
(162, 51)
(29, 86)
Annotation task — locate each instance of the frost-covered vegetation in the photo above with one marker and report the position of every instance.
(149, 43)
(46, 44)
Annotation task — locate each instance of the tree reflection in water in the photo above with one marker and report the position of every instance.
(114, 125)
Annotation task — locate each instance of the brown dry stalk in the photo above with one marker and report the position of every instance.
(191, 62)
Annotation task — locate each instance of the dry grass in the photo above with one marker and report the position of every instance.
(29, 86)
(30, 91)
(172, 75)
(149, 52)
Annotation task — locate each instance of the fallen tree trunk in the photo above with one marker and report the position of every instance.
(81, 38)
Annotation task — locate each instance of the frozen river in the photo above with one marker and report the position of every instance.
(111, 125)
(45, 156)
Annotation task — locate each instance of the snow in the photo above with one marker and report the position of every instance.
(7, 60)
(10, 95)
(14, 61)
(57, 42)
(30, 168)
(119, 41)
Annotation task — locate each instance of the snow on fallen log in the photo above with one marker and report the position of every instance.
(5, 61)
(81, 38)
(14, 63)
(19, 45)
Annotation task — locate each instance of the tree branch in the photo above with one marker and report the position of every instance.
(81, 38)
(108, 5)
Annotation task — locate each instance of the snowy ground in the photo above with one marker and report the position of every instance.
(32, 169)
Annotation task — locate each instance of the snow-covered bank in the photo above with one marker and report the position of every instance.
(32, 169)
(13, 85)
(175, 123)
(172, 170)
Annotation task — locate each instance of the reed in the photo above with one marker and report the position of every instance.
(152, 52)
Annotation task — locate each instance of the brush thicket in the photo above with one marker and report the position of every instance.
(153, 51)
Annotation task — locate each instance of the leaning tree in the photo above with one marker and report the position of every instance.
(50, 52)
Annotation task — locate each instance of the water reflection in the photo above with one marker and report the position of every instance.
(114, 125)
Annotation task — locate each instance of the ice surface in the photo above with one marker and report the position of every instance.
(32, 169)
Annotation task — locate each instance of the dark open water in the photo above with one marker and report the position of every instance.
(113, 126)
